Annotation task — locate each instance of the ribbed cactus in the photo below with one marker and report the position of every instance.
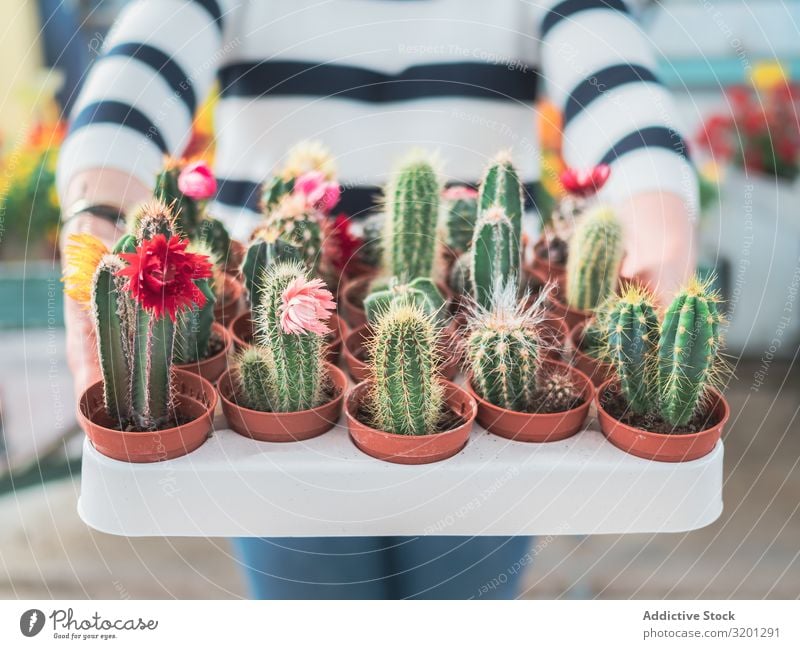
(253, 370)
(114, 316)
(594, 259)
(559, 391)
(632, 330)
(193, 328)
(461, 214)
(412, 201)
(421, 292)
(407, 397)
(459, 279)
(300, 226)
(295, 376)
(501, 187)
(152, 390)
(152, 218)
(214, 235)
(503, 349)
(264, 250)
(495, 254)
(186, 212)
(688, 351)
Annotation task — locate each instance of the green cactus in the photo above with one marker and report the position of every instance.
(407, 396)
(459, 279)
(501, 187)
(151, 219)
(214, 235)
(559, 391)
(252, 374)
(421, 292)
(264, 250)
(193, 328)
(594, 259)
(114, 316)
(495, 254)
(295, 377)
(688, 351)
(185, 210)
(274, 190)
(413, 204)
(461, 209)
(632, 330)
(300, 226)
(503, 349)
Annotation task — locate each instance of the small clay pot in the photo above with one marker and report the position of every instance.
(533, 427)
(233, 262)
(282, 426)
(195, 401)
(561, 310)
(241, 328)
(663, 447)
(411, 449)
(228, 307)
(354, 354)
(598, 371)
(543, 266)
(210, 368)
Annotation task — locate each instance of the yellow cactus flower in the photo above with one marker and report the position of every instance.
(309, 156)
(767, 75)
(81, 257)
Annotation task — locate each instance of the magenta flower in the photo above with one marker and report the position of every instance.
(320, 193)
(305, 307)
(197, 181)
(586, 182)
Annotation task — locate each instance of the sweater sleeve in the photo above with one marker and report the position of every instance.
(599, 69)
(137, 104)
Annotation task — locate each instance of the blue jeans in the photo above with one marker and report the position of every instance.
(391, 567)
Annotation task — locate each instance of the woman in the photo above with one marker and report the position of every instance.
(371, 79)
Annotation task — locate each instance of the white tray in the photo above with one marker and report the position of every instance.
(234, 486)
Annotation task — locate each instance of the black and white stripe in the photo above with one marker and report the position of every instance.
(371, 79)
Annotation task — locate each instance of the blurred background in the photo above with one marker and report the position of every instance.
(728, 62)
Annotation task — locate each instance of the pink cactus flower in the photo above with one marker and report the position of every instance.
(197, 181)
(585, 182)
(459, 192)
(305, 307)
(320, 193)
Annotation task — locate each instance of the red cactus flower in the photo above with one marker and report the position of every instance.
(161, 275)
(341, 245)
(584, 183)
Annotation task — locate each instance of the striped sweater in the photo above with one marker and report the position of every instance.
(371, 79)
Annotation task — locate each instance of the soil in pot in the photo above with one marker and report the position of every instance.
(216, 359)
(660, 441)
(282, 426)
(195, 402)
(451, 436)
(550, 419)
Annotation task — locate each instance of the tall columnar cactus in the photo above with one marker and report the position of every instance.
(294, 376)
(114, 316)
(299, 225)
(633, 330)
(152, 389)
(495, 254)
(461, 214)
(594, 259)
(185, 210)
(688, 351)
(412, 201)
(193, 328)
(421, 292)
(503, 350)
(501, 187)
(406, 397)
(264, 250)
(459, 280)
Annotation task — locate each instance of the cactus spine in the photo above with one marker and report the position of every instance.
(295, 372)
(501, 186)
(193, 327)
(152, 393)
(503, 350)
(406, 397)
(413, 205)
(421, 292)
(461, 216)
(300, 226)
(688, 351)
(594, 259)
(633, 330)
(265, 250)
(253, 371)
(185, 210)
(495, 254)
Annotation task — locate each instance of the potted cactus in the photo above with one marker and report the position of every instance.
(143, 410)
(405, 412)
(663, 404)
(281, 389)
(587, 342)
(460, 208)
(595, 259)
(521, 393)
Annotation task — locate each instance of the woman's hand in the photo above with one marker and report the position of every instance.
(659, 243)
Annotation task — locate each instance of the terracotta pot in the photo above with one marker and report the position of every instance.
(559, 310)
(411, 449)
(541, 264)
(195, 401)
(233, 263)
(598, 371)
(241, 329)
(282, 426)
(228, 307)
(662, 447)
(354, 355)
(533, 427)
(210, 368)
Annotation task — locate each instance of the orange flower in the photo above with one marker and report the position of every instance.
(81, 257)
